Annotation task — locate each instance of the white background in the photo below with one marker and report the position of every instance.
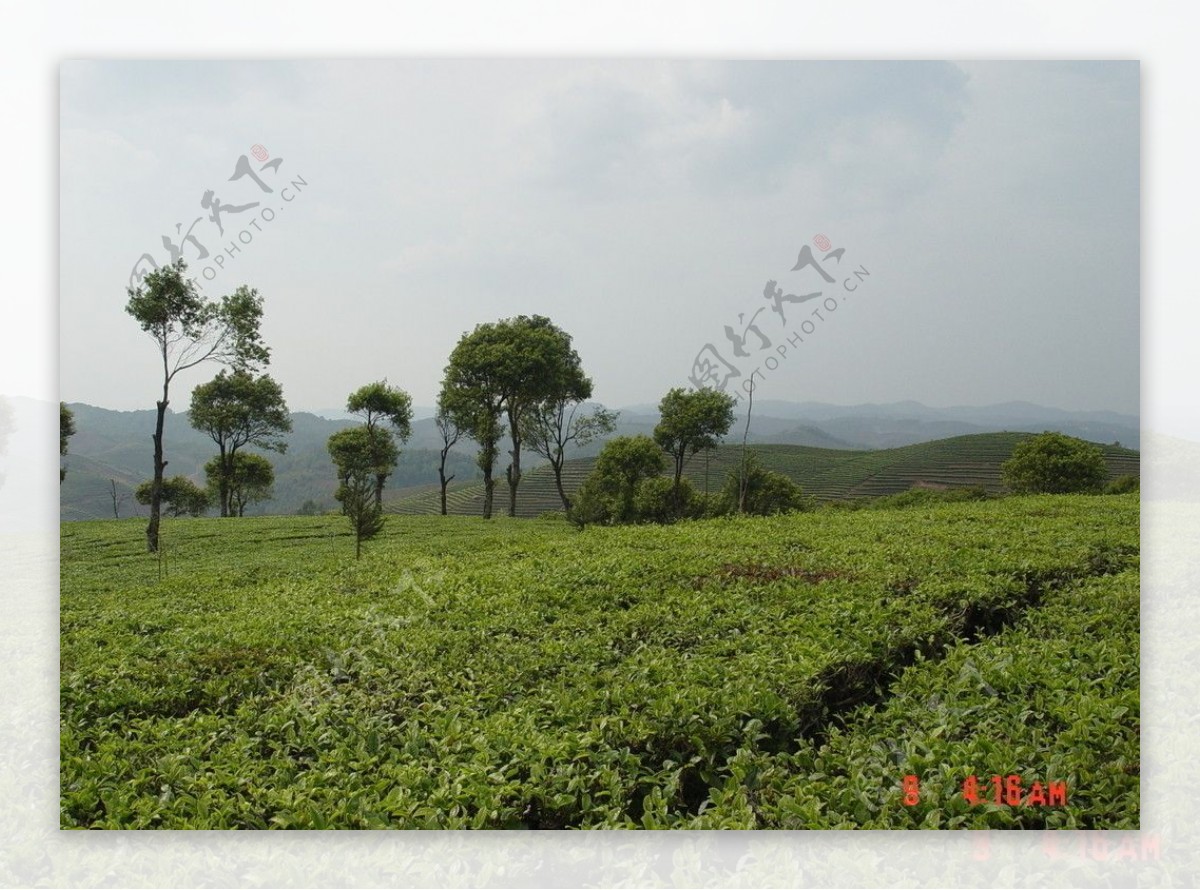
(1162, 35)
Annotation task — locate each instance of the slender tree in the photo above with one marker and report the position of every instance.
(236, 410)
(554, 424)
(474, 400)
(744, 476)
(448, 429)
(117, 499)
(359, 457)
(187, 330)
(380, 406)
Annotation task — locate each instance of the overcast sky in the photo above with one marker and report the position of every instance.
(642, 206)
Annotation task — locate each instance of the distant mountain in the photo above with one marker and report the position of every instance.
(895, 424)
(115, 446)
(419, 412)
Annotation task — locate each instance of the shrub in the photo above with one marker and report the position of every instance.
(1124, 485)
(655, 501)
(180, 496)
(607, 494)
(1053, 463)
(767, 492)
(916, 497)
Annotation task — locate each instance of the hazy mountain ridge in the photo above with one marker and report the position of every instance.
(116, 445)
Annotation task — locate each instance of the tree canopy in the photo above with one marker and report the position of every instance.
(238, 409)
(246, 479)
(188, 329)
(387, 415)
(360, 456)
(1053, 463)
(691, 421)
(506, 369)
(179, 494)
(607, 494)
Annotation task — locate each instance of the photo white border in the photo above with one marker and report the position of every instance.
(33, 852)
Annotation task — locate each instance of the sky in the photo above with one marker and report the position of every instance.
(976, 224)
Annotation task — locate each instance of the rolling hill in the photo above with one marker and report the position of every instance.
(824, 473)
(832, 451)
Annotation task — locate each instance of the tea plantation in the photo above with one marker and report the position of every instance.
(824, 473)
(787, 672)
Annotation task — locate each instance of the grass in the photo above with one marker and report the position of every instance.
(509, 674)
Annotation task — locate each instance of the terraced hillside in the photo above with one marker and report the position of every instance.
(824, 473)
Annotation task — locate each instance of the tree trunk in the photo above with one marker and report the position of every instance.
(486, 461)
(445, 480)
(380, 479)
(514, 470)
(223, 493)
(678, 477)
(489, 487)
(159, 466)
(743, 481)
(558, 484)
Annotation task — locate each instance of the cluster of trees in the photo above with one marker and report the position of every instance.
(521, 378)
(238, 409)
(516, 384)
(627, 483)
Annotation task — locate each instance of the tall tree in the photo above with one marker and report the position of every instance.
(556, 423)
(538, 366)
(236, 410)
(744, 474)
(359, 457)
(66, 429)
(448, 428)
(383, 406)
(473, 399)
(188, 329)
(691, 421)
(507, 368)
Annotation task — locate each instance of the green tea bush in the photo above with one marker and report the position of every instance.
(771, 672)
